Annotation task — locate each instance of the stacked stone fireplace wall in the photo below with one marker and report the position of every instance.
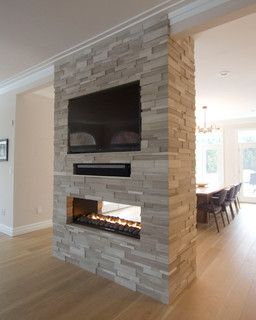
(140, 53)
(182, 197)
(145, 265)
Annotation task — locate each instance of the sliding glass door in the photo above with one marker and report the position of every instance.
(247, 153)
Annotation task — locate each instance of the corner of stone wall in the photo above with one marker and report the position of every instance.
(182, 196)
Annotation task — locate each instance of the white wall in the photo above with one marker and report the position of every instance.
(7, 115)
(33, 167)
(231, 155)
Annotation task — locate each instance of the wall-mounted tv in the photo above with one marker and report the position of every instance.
(106, 121)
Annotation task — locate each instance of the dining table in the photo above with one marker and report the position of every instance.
(203, 195)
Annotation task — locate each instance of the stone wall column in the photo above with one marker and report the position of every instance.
(182, 196)
(139, 53)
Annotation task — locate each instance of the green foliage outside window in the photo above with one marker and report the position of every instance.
(249, 159)
(211, 161)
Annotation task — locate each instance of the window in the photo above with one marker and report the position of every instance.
(211, 161)
(209, 158)
(247, 147)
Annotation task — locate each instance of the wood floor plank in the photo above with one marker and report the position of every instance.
(36, 286)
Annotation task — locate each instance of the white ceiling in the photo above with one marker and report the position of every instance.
(229, 47)
(35, 30)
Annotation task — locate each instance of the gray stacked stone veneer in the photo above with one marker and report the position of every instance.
(139, 53)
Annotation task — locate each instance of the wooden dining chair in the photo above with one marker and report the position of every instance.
(215, 206)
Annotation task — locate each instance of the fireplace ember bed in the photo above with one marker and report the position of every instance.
(112, 217)
(109, 223)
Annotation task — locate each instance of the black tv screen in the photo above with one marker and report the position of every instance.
(105, 121)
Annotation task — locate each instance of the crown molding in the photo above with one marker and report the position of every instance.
(203, 14)
(244, 121)
(165, 7)
(177, 11)
(23, 82)
(193, 9)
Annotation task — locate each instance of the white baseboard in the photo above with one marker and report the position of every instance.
(12, 232)
(5, 229)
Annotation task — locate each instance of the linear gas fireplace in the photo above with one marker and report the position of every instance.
(109, 216)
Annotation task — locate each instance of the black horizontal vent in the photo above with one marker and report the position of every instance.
(103, 169)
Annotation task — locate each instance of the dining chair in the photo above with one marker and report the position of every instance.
(234, 198)
(228, 201)
(238, 193)
(215, 206)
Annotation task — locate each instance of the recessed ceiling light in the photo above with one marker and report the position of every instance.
(224, 73)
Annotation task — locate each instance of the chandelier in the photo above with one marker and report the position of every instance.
(205, 128)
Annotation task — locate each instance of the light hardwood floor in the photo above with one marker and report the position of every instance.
(34, 285)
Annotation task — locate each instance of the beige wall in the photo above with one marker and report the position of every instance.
(7, 115)
(33, 167)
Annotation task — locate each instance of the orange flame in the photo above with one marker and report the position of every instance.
(111, 219)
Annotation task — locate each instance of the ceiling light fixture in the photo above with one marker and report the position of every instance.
(205, 128)
(224, 73)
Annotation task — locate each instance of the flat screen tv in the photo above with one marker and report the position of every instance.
(105, 121)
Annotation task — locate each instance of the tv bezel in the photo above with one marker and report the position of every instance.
(118, 148)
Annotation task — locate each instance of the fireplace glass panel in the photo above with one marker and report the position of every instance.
(109, 216)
